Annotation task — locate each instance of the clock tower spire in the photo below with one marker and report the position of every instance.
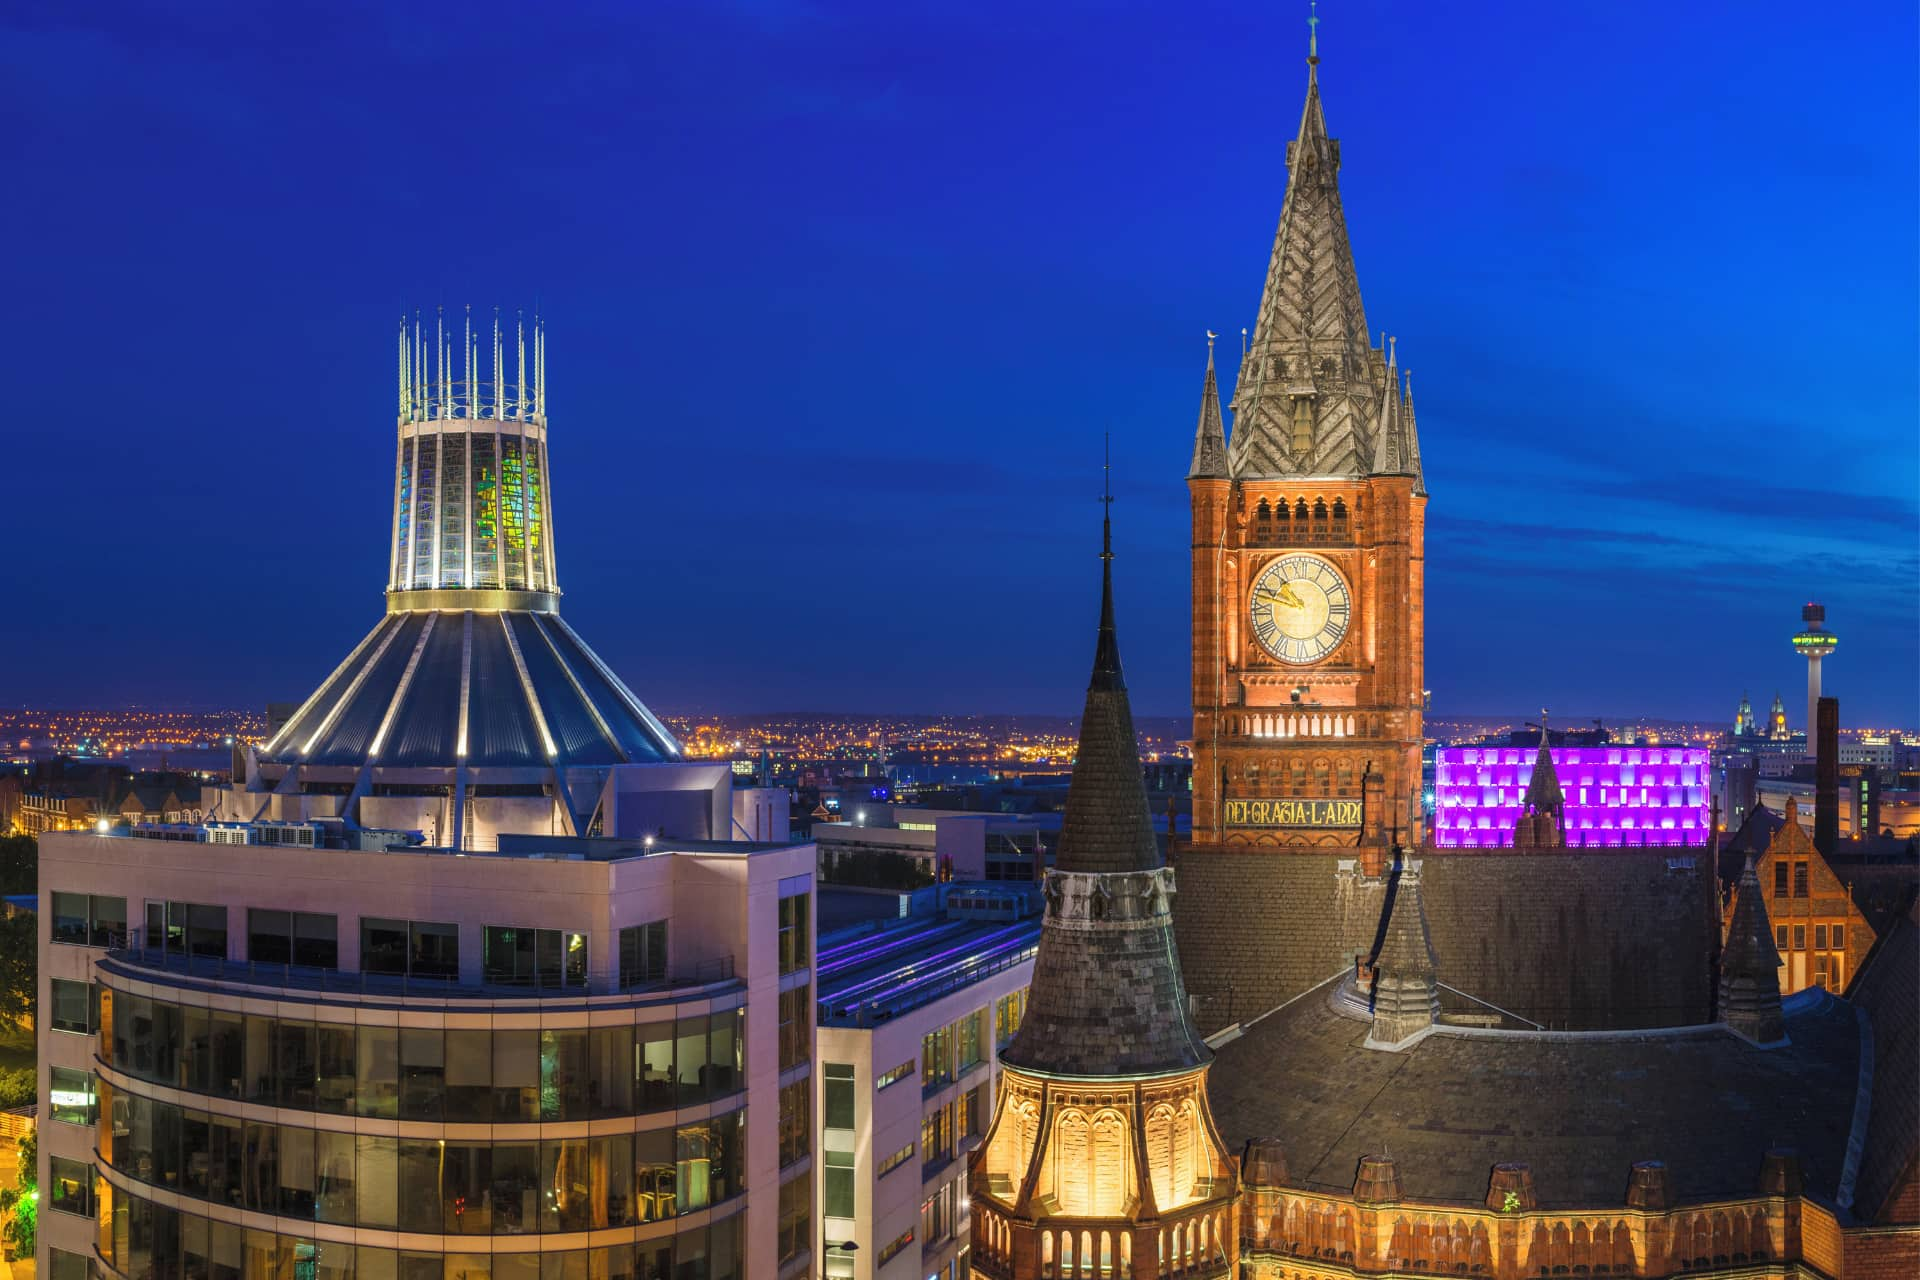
(1308, 555)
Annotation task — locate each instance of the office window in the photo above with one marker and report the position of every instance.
(936, 1137)
(1800, 879)
(643, 954)
(936, 1058)
(969, 1041)
(796, 1027)
(72, 1189)
(187, 928)
(73, 1007)
(837, 1188)
(836, 1089)
(72, 1095)
(796, 926)
(893, 1076)
(1007, 1012)
(89, 920)
(796, 1121)
(65, 1265)
(936, 1216)
(411, 948)
(971, 1113)
(304, 938)
(533, 957)
(892, 1248)
(894, 1161)
(795, 1224)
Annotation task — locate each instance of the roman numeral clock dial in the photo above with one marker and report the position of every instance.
(1300, 608)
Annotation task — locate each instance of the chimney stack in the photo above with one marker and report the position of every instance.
(1826, 778)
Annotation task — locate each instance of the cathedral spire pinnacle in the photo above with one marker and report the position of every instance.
(1313, 33)
(1209, 439)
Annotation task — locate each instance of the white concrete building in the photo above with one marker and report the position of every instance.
(385, 1064)
(912, 1016)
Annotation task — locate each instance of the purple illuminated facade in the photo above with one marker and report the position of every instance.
(1615, 795)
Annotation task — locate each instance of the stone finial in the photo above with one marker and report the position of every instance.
(1510, 1188)
(1649, 1187)
(1377, 1181)
(1750, 968)
(1264, 1163)
(1780, 1173)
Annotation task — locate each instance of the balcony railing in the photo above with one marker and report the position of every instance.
(135, 953)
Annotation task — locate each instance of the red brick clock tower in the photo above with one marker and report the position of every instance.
(1308, 555)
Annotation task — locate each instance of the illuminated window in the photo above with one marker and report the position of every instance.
(895, 1076)
(891, 1249)
(895, 1160)
(936, 1058)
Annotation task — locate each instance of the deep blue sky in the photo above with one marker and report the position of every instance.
(842, 297)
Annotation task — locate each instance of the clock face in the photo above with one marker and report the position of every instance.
(1300, 608)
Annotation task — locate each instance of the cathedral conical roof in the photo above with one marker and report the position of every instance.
(1210, 437)
(1107, 998)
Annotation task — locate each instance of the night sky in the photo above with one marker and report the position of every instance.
(841, 299)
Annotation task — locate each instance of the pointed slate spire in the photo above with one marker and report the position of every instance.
(1406, 992)
(1310, 365)
(1108, 826)
(1413, 441)
(1750, 966)
(1543, 789)
(1210, 437)
(1107, 998)
(1389, 452)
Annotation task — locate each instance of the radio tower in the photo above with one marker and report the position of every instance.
(1813, 642)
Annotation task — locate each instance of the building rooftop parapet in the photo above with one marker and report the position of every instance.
(340, 837)
(707, 978)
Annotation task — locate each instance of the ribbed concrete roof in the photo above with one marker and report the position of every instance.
(435, 689)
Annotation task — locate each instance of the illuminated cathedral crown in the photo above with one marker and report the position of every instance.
(472, 510)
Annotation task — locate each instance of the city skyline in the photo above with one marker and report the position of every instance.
(867, 350)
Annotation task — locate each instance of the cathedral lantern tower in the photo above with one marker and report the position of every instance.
(1308, 554)
(1103, 1158)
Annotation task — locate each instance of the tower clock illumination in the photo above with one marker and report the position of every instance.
(1300, 608)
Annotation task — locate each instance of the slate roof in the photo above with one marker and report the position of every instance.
(397, 699)
(1579, 1109)
(1581, 939)
(1888, 990)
